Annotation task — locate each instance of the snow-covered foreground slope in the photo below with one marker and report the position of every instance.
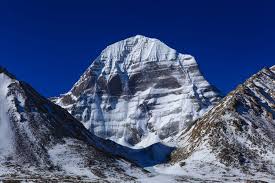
(41, 141)
(234, 139)
(139, 92)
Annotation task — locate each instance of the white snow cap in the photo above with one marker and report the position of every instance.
(141, 48)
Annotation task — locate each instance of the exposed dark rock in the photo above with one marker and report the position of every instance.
(238, 131)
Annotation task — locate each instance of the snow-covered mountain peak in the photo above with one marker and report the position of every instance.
(139, 49)
(138, 91)
(7, 74)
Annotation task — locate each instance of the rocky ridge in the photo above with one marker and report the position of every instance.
(235, 137)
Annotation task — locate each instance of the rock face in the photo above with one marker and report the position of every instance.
(237, 134)
(40, 140)
(138, 92)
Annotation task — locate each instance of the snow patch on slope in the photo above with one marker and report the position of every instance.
(6, 134)
(69, 161)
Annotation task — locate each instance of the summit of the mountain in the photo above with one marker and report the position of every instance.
(139, 91)
(138, 49)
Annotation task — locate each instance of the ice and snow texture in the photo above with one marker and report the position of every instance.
(40, 140)
(236, 138)
(71, 162)
(139, 92)
(6, 135)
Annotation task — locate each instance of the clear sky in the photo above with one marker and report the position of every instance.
(50, 43)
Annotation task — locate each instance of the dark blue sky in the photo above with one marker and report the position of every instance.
(50, 43)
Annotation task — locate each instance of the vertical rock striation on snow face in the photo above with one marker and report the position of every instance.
(237, 133)
(138, 92)
(6, 134)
